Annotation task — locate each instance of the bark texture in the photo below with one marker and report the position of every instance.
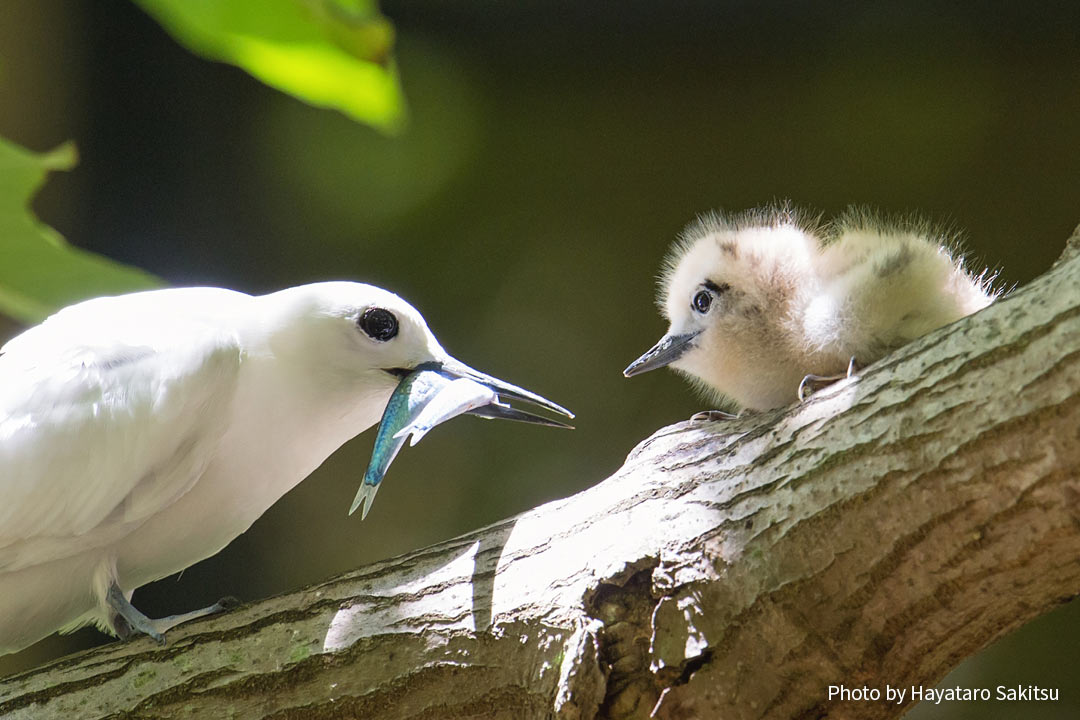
(893, 525)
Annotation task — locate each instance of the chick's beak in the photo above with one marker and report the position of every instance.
(431, 394)
(668, 350)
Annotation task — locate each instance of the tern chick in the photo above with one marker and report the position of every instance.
(140, 434)
(762, 301)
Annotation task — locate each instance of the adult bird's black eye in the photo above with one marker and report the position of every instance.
(702, 301)
(379, 324)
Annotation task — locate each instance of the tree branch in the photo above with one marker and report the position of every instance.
(879, 533)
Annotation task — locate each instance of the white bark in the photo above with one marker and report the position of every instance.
(879, 533)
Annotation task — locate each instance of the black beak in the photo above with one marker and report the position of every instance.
(668, 350)
(505, 391)
(433, 393)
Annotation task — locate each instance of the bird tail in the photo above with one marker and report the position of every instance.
(91, 618)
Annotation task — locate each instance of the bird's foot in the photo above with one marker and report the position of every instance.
(812, 383)
(712, 416)
(171, 621)
(127, 620)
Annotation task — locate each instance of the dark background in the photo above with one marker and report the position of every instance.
(554, 150)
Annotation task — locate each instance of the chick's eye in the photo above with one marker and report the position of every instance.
(702, 301)
(379, 324)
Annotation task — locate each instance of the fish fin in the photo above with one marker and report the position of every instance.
(364, 496)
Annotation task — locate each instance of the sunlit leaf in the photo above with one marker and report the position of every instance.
(39, 271)
(329, 53)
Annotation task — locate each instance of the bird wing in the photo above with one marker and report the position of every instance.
(883, 287)
(109, 411)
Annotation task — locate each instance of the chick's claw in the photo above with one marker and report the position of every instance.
(712, 416)
(812, 383)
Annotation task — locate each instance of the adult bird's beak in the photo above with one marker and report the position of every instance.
(668, 350)
(433, 393)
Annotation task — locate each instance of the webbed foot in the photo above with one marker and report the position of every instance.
(127, 620)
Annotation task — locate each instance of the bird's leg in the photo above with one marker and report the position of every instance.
(812, 383)
(127, 619)
(712, 416)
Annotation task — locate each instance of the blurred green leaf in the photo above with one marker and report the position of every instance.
(39, 271)
(329, 53)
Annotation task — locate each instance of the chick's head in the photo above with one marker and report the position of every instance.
(730, 292)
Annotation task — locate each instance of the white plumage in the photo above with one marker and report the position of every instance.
(759, 301)
(140, 434)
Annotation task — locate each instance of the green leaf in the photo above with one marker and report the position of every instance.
(329, 53)
(39, 272)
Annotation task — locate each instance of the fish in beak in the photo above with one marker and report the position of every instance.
(433, 393)
(668, 350)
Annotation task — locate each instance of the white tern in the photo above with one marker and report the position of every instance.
(140, 434)
(764, 303)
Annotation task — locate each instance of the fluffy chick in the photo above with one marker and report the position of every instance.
(759, 301)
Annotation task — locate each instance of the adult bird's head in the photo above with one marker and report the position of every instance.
(348, 332)
(375, 351)
(726, 290)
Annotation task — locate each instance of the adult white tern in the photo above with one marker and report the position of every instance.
(140, 434)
